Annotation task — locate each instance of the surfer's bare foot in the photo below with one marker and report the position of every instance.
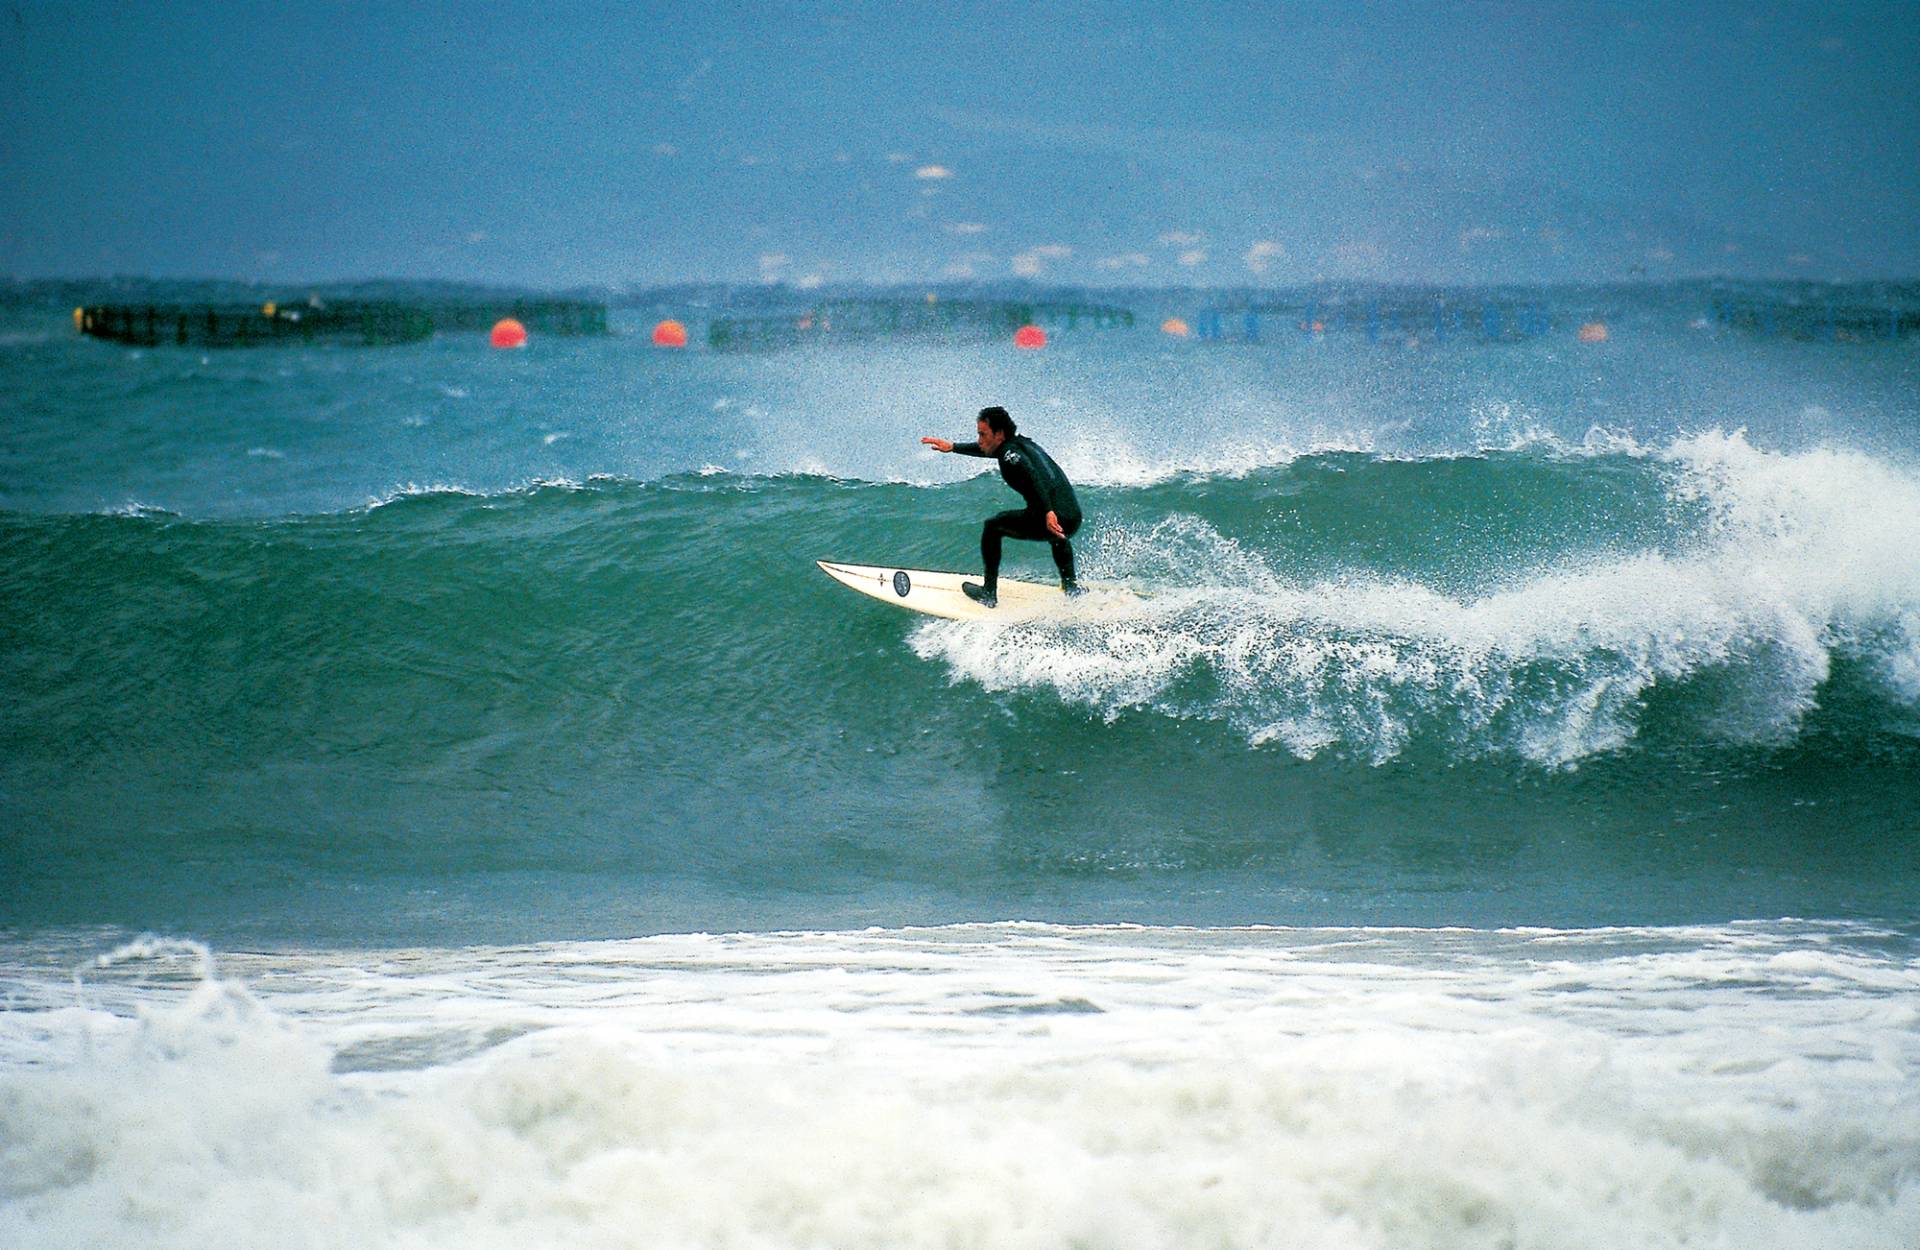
(980, 594)
(1072, 588)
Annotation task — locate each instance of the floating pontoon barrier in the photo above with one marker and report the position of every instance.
(850, 320)
(369, 323)
(543, 316)
(1430, 320)
(1816, 323)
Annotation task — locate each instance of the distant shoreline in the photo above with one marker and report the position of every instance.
(73, 291)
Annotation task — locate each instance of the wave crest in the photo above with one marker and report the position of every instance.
(1804, 558)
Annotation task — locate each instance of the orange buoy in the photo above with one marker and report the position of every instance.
(669, 333)
(1029, 337)
(1593, 332)
(1174, 326)
(508, 333)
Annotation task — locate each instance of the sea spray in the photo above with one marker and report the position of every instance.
(1797, 558)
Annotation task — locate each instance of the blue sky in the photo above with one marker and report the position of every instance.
(827, 142)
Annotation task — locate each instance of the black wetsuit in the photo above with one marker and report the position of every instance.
(1040, 482)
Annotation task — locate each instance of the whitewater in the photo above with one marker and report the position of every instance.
(1024, 1085)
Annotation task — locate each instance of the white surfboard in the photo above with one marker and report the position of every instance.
(939, 594)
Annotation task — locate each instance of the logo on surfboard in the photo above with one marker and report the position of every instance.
(902, 585)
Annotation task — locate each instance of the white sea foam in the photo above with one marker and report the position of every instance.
(1095, 459)
(1803, 558)
(134, 508)
(413, 490)
(1099, 460)
(1007, 1085)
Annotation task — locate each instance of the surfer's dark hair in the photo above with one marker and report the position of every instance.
(998, 421)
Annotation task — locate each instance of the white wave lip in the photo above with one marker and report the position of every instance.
(1016, 1085)
(1805, 557)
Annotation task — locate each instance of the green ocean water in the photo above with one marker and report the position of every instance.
(433, 643)
(442, 803)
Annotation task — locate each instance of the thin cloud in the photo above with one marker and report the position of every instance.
(683, 90)
(1126, 260)
(1261, 255)
(964, 227)
(1028, 263)
(1193, 256)
(933, 171)
(1182, 238)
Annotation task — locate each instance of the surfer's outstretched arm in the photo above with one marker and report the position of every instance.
(963, 449)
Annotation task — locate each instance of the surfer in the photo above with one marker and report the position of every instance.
(1052, 513)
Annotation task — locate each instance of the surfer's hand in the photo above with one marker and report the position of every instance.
(1053, 526)
(938, 444)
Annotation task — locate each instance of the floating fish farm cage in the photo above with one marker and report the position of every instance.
(1816, 322)
(853, 320)
(365, 323)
